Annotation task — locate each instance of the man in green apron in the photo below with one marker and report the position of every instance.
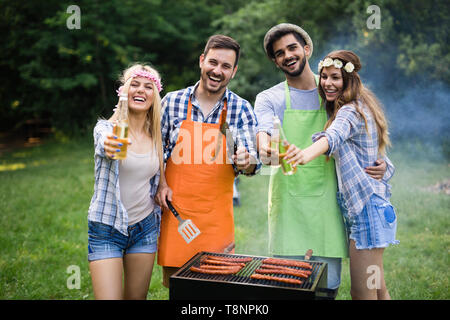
(303, 210)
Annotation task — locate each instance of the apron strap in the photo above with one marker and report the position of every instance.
(316, 76)
(288, 96)
(222, 115)
(188, 117)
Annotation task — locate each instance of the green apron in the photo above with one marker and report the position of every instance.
(303, 210)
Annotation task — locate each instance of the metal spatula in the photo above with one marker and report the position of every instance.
(186, 228)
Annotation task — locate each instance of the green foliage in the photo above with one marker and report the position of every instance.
(70, 76)
(45, 194)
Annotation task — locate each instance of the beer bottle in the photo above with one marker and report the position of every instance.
(283, 145)
(121, 127)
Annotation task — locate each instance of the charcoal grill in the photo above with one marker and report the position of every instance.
(188, 285)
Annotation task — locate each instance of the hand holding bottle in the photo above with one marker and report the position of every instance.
(293, 155)
(113, 146)
(296, 156)
(268, 152)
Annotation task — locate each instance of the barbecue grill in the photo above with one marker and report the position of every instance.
(188, 285)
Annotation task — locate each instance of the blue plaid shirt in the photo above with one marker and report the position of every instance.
(354, 149)
(106, 206)
(240, 117)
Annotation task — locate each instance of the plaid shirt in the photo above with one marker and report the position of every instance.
(354, 149)
(240, 117)
(106, 206)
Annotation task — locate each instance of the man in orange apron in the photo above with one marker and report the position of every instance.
(200, 169)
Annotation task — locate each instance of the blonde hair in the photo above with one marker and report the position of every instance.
(352, 91)
(152, 123)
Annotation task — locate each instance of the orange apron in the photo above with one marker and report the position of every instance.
(202, 191)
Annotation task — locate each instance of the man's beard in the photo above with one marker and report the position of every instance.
(299, 71)
(205, 78)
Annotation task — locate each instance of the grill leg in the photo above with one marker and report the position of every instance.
(326, 294)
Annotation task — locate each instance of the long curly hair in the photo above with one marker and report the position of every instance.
(354, 90)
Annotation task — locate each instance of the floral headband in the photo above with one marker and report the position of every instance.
(327, 62)
(144, 74)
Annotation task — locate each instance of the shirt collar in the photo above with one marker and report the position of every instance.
(226, 94)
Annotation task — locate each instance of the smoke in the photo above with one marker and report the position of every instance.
(421, 115)
(416, 107)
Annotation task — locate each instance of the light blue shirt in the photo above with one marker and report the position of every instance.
(272, 102)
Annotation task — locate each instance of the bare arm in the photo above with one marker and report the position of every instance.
(164, 192)
(296, 156)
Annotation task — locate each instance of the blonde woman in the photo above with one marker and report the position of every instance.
(356, 134)
(124, 217)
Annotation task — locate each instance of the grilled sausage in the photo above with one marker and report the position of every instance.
(272, 266)
(223, 263)
(279, 279)
(216, 267)
(227, 259)
(285, 262)
(217, 272)
(295, 273)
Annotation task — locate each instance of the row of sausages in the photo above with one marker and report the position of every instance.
(216, 265)
(221, 265)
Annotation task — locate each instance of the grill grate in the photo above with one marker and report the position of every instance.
(242, 278)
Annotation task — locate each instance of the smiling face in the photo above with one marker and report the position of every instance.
(331, 82)
(290, 55)
(140, 94)
(217, 69)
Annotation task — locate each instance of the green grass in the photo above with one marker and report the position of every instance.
(45, 193)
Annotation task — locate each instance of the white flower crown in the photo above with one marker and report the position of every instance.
(349, 67)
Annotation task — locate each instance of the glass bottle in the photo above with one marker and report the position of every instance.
(120, 129)
(282, 144)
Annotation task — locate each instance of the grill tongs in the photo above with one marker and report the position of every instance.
(224, 131)
(186, 228)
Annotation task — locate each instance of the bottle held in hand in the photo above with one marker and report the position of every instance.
(282, 145)
(121, 127)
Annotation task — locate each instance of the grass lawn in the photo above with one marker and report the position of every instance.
(45, 193)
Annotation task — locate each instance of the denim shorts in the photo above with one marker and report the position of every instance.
(374, 227)
(106, 242)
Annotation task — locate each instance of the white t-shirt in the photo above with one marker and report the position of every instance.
(135, 173)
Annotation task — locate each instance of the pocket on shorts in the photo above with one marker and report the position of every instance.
(386, 214)
(97, 230)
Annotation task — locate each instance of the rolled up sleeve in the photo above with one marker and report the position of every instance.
(101, 130)
(345, 125)
(264, 112)
(247, 128)
(390, 169)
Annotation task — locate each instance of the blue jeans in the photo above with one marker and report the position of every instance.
(334, 268)
(374, 227)
(105, 242)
